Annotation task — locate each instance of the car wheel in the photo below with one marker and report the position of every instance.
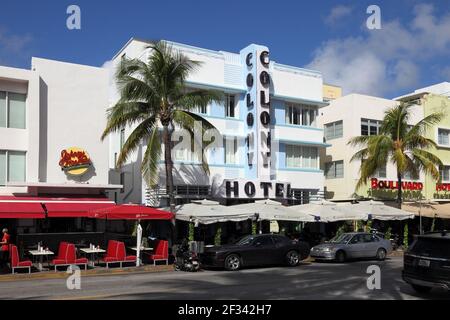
(233, 262)
(421, 289)
(381, 254)
(293, 258)
(340, 256)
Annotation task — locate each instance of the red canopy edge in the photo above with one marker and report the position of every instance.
(21, 210)
(72, 209)
(130, 212)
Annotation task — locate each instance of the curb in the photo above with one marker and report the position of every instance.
(89, 273)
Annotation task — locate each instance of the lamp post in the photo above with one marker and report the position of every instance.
(420, 212)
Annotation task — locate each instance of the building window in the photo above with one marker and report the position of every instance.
(230, 148)
(443, 137)
(122, 138)
(301, 157)
(202, 109)
(445, 173)
(12, 167)
(370, 127)
(302, 115)
(409, 176)
(12, 110)
(381, 172)
(334, 130)
(230, 106)
(180, 152)
(334, 170)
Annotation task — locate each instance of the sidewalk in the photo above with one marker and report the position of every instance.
(98, 271)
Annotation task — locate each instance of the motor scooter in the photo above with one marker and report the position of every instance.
(186, 260)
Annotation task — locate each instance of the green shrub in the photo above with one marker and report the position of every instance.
(388, 233)
(342, 229)
(218, 237)
(191, 232)
(254, 228)
(405, 237)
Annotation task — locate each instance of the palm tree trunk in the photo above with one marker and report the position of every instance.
(169, 166)
(399, 189)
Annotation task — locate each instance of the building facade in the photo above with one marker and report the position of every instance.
(434, 99)
(51, 121)
(347, 117)
(268, 121)
(354, 115)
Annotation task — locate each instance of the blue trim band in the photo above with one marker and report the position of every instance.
(206, 116)
(308, 143)
(301, 170)
(215, 87)
(192, 163)
(298, 127)
(300, 100)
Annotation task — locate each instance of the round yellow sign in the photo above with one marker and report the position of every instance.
(75, 161)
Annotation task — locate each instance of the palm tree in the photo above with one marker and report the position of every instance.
(154, 93)
(401, 144)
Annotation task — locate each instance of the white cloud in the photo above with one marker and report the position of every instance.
(380, 62)
(113, 93)
(12, 46)
(337, 13)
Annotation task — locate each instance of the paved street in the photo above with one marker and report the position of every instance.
(308, 281)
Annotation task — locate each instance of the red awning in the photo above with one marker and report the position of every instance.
(131, 212)
(21, 210)
(73, 209)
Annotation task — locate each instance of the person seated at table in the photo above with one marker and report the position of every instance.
(4, 249)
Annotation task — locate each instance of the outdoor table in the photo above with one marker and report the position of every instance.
(93, 252)
(40, 255)
(142, 249)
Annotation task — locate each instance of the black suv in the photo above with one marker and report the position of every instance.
(427, 262)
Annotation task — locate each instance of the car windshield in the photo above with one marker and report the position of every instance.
(343, 238)
(244, 241)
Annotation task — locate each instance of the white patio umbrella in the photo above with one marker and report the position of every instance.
(272, 210)
(138, 244)
(209, 212)
(327, 211)
(379, 211)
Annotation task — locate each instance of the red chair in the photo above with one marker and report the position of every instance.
(161, 252)
(111, 253)
(67, 256)
(16, 263)
(116, 253)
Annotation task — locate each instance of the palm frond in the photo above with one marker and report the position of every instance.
(188, 120)
(427, 162)
(125, 114)
(142, 131)
(152, 156)
(198, 99)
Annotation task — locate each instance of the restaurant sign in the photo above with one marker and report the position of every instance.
(75, 161)
(393, 185)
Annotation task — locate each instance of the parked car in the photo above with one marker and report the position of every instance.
(256, 250)
(353, 246)
(426, 264)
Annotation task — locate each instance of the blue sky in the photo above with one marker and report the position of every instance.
(410, 51)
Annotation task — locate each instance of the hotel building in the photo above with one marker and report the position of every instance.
(269, 119)
(347, 117)
(355, 115)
